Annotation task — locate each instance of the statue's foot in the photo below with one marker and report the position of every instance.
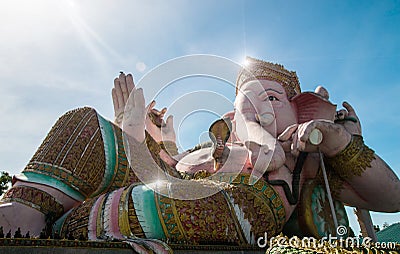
(15, 215)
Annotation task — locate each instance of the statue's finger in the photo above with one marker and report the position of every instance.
(129, 83)
(170, 122)
(118, 92)
(294, 147)
(287, 133)
(302, 131)
(122, 77)
(313, 127)
(139, 98)
(115, 100)
(150, 107)
(350, 109)
(124, 88)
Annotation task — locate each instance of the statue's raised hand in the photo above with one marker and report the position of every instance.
(349, 119)
(123, 85)
(135, 115)
(159, 129)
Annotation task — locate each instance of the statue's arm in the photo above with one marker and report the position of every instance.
(369, 182)
(134, 125)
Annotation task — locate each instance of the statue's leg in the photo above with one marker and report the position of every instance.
(239, 214)
(108, 216)
(81, 157)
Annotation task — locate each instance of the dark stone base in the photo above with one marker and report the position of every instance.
(50, 246)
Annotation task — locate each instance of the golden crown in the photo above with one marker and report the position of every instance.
(258, 69)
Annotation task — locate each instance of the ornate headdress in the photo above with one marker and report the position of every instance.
(258, 69)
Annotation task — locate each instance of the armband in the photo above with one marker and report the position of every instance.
(353, 160)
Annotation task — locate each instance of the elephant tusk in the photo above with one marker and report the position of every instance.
(315, 137)
(265, 119)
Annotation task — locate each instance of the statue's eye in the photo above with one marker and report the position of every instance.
(272, 98)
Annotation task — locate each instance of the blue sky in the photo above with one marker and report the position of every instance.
(59, 55)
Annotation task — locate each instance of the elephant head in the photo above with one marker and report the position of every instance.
(268, 101)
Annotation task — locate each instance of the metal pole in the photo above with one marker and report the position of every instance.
(316, 139)
(328, 190)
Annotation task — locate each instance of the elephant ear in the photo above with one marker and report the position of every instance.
(311, 106)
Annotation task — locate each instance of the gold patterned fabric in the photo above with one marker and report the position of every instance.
(268, 211)
(314, 212)
(207, 220)
(237, 215)
(110, 215)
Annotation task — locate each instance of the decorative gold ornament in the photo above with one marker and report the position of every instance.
(123, 212)
(258, 69)
(201, 174)
(314, 214)
(353, 160)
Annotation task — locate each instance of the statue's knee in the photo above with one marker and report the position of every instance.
(82, 156)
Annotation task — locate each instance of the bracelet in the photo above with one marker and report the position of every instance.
(152, 145)
(118, 118)
(169, 146)
(353, 160)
